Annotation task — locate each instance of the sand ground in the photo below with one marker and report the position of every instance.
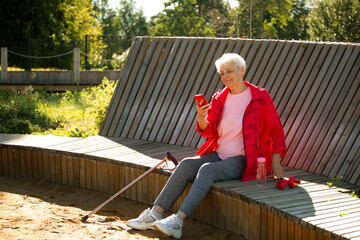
(32, 209)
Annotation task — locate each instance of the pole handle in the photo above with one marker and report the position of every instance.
(171, 157)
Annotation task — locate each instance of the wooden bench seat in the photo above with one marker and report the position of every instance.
(313, 210)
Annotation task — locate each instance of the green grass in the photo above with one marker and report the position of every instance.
(71, 113)
(17, 69)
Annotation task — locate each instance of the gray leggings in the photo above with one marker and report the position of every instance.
(203, 171)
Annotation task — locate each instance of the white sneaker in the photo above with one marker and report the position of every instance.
(171, 226)
(145, 220)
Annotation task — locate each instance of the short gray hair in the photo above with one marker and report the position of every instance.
(231, 57)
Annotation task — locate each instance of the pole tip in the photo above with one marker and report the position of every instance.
(84, 218)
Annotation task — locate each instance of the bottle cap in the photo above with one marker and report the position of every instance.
(261, 159)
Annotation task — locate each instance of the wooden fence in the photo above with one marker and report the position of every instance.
(46, 78)
(58, 77)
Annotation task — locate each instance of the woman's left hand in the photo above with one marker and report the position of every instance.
(276, 166)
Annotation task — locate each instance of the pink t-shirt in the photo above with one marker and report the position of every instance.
(230, 129)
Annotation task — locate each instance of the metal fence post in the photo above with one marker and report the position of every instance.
(4, 59)
(76, 66)
(86, 52)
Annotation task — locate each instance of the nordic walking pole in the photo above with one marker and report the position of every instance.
(168, 157)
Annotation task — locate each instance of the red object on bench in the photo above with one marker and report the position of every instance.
(292, 181)
(282, 184)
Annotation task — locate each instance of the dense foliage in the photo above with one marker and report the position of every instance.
(71, 113)
(326, 20)
(56, 19)
(335, 20)
(20, 114)
(105, 33)
(180, 18)
(46, 28)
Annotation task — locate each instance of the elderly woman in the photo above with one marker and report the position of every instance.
(240, 125)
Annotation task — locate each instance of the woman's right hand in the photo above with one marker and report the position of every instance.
(202, 112)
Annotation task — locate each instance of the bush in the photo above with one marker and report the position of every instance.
(19, 112)
(72, 113)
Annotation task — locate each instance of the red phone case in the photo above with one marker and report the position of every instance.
(200, 97)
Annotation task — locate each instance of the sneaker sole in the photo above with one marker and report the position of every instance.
(143, 228)
(171, 235)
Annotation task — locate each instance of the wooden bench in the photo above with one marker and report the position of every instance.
(315, 87)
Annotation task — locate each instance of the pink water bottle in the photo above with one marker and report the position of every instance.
(261, 172)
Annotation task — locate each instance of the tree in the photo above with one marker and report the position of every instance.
(297, 26)
(112, 43)
(129, 22)
(260, 18)
(180, 18)
(80, 20)
(119, 27)
(23, 19)
(56, 19)
(335, 20)
(216, 15)
(46, 27)
(105, 16)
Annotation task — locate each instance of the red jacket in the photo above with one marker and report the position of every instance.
(262, 128)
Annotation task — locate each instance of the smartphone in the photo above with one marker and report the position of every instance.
(198, 98)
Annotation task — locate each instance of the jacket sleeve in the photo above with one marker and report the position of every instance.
(274, 127)
(211, 120)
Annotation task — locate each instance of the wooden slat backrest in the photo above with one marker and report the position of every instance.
(315, 88)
